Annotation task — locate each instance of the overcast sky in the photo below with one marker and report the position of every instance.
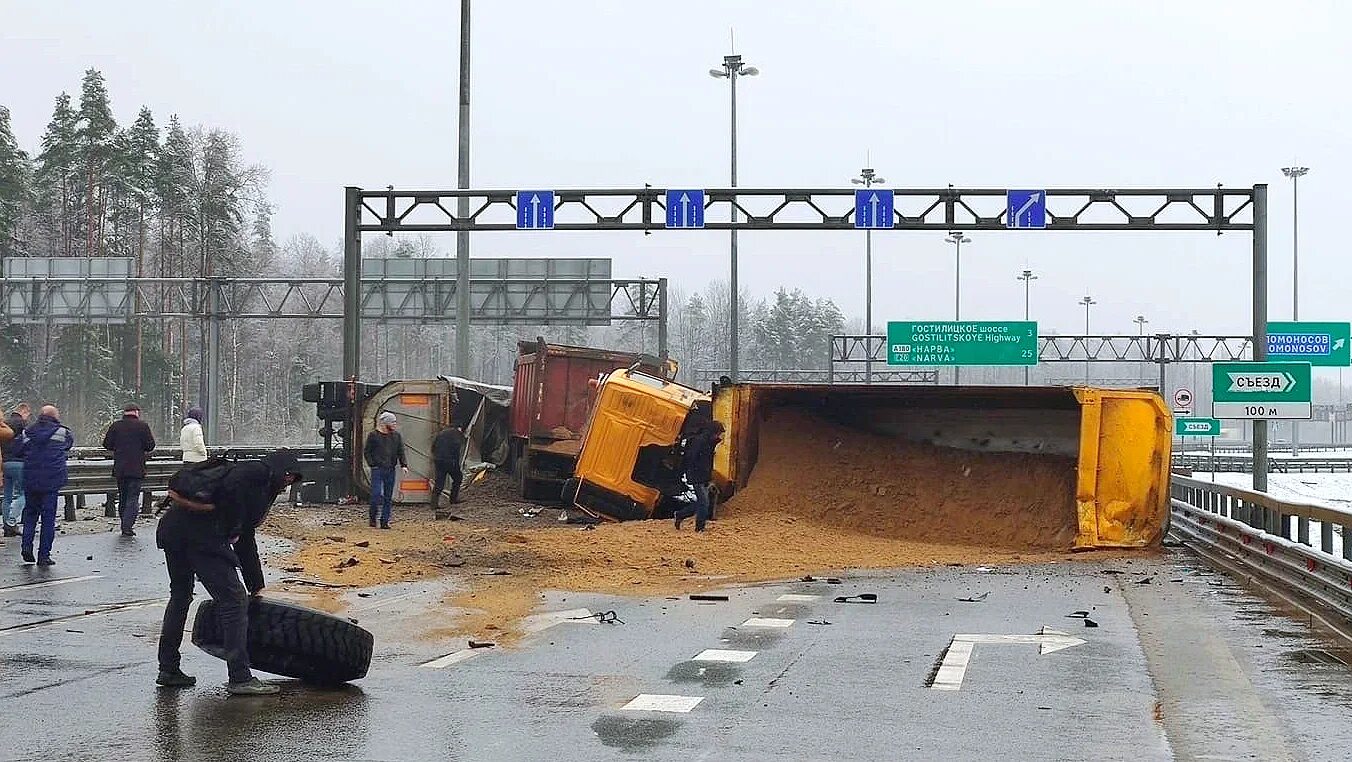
(615, 94)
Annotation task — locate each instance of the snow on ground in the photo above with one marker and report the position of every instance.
(1333, 490)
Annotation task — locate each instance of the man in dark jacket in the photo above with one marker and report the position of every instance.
(448, 453)
(698, 464)
(43, 447)
(207, 542)
(131, 442)
(12, 507)
(384, 450)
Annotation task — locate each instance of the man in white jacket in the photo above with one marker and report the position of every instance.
(190, 438)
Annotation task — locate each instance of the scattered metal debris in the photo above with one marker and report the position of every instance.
(975, 598)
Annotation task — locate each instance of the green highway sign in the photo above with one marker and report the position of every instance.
(1261, 390)
(1197, 427)
(1324, 344)
(962, 343)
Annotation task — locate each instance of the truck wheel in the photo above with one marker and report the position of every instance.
(293, 641)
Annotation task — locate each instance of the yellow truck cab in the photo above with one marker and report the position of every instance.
(630, 458)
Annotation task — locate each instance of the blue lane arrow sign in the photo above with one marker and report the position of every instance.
(873, 209)
(685, 209)
(535, 210)
(1025, 209)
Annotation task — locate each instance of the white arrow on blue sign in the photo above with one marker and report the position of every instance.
(1025, 209)
(535, 210)
(873, 209)
(685, 209)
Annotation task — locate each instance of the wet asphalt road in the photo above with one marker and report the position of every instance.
(1186, 666)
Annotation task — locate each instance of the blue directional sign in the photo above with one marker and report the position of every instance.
(873, 209)
(535, 210)
(1025, 209)
(685, 209)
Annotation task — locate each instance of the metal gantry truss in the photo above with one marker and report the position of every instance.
(1159, 349)
(530, 301)
(1165, 348)
(1216, 209)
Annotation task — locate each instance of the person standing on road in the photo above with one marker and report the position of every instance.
(44, 447)
(384, 450)
(207, 541)
(448, 452)
(698, 464)
(12, 507)
(131, 442)
(190, 438)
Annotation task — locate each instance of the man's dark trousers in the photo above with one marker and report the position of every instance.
(129, 500)
(215, 566)
(39, 506)
(444, 470)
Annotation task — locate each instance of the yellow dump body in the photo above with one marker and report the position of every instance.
(630, 452)
(1120, 439)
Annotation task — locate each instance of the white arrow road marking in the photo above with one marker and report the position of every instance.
(954, 666)
(718, 654)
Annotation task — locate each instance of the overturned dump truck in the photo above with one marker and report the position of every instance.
(1038, 468)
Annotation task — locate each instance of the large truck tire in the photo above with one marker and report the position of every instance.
(293, 641)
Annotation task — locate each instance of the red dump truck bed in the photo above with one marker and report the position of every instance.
(551, 400)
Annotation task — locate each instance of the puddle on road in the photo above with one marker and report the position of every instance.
(706, 672)
(1307, 656)
(633, 733)
(751, 639)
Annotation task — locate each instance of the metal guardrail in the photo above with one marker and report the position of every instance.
(1251, 532)
(91, 472)
(1244, 464)
(1246, 448)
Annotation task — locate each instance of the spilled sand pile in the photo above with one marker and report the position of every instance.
(823, 499)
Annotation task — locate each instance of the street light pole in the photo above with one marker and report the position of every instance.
(868, 178)
(732, 69)
(957, 239)
(1141, 322)
(462, 300)
(1027, 277)
(1087, 301)
(1295, 173)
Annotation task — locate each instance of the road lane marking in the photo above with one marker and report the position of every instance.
(49, 583)
(658, 702)
(113, 609)
(452, 658)
(953, 668)
(798, 598)
(757, 621)
(544, 620)
(718, 654)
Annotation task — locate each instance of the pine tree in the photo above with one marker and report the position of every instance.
(94, 135)
(55, 179)
(14, 184)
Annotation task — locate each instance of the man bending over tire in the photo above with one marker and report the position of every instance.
(206, 536)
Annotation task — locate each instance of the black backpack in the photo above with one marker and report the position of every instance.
(201, 482)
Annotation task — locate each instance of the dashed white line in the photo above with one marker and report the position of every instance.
(658, 702)
(452, 658)
(757, 621)
(543, 621)
(718, 654)
(49, 583)
(798, 598)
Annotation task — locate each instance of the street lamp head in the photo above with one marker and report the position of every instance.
(1026, 275)
(1294, 172)
(720, 73)
(748, 71)
(856, 181)
(956, 237)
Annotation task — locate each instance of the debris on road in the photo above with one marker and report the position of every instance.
(975, 598)
(1090, 623)
(362, 544)
(860, 598)
(707, 597)
(482, 644)
(817, 621)
(349, 561)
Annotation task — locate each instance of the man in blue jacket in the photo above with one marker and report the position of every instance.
(43, 447)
